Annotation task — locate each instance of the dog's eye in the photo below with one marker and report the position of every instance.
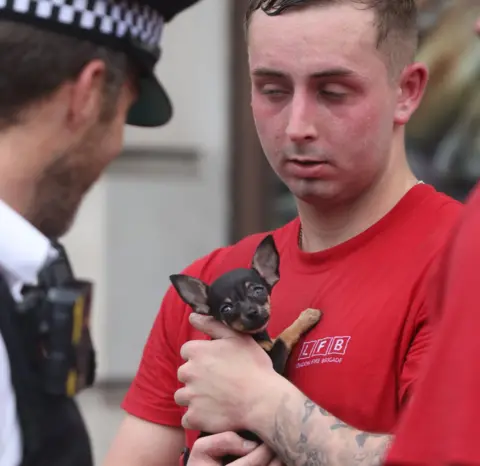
(259, 291)
(225, 308)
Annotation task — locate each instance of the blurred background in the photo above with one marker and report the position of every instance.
(201, 182)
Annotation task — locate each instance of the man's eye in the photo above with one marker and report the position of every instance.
(270, 91)
(333, 94)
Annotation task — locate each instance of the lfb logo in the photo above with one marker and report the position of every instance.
(324, 350)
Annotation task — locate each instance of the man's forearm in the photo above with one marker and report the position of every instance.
(308, 435)
(304, 434)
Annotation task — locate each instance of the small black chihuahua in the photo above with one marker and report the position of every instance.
(241, 300)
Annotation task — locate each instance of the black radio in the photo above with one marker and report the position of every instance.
(55, 317)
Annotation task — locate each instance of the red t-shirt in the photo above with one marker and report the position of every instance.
(442, 423)
(360, 362)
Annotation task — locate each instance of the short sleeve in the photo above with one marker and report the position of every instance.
(424, 327)
(151, 394)
(420, 329)
(416, 353)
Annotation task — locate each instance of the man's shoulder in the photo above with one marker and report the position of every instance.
(438, 220)
(473, 202)
(439, 200)
(468, 232)
(440, 212)
(239, 254)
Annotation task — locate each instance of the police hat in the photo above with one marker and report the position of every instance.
(132, 26)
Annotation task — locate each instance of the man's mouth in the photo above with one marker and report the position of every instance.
(308, 167)
(307, 161)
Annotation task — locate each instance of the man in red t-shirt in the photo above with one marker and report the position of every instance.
(332, 87)
(441, 425)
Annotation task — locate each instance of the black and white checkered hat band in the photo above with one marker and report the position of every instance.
(118, 19)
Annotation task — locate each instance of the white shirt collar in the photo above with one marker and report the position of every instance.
(23, 250)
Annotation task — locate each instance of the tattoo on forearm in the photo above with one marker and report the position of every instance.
(300, 453)
(339, 424)
(323, 411)
(362, 437)
(309, 407)
(301, 440)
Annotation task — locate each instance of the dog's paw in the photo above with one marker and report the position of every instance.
(311, 316)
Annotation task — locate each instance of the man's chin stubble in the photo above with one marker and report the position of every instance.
(53, 215)
(55, 223)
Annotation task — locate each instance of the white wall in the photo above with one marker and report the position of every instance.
(146, 219)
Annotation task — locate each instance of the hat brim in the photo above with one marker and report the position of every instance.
(153, 106)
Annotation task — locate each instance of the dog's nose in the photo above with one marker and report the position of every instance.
(253, 313)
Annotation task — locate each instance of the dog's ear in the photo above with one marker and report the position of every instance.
(266, 261)
(193, 291)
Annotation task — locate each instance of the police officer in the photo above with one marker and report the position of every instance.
(72, 72)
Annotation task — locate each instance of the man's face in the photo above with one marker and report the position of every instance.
(322, 99)
(72, 173)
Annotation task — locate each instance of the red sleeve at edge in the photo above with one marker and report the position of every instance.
(415, 356)
(440, 425)
(426, 316)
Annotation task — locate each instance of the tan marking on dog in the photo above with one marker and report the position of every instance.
(266, 306)
(304, 322)
(267, 345)
(238, 326)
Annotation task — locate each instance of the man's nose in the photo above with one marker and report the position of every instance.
(301, 121)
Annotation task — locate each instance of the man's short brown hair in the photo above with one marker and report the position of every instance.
(34, 63)
(395, 20)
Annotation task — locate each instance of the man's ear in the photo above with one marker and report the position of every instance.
(86, 95)
(411, 88)
(266, 261)
(193, 291)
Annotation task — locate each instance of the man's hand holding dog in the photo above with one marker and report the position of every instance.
(225, 379)
(207, 451)
(230, 385)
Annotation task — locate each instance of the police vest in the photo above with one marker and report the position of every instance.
(53, 431)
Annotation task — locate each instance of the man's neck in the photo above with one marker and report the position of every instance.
(322, 229)
(22, 156)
